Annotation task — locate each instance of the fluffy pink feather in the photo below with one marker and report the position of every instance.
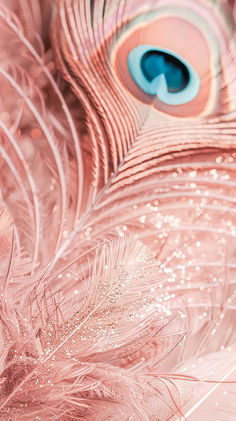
(117, 215)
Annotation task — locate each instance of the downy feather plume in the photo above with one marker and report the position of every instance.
(117, 210)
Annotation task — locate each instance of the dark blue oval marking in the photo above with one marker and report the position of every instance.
(161, 72)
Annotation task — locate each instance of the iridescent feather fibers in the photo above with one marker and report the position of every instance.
(117, 213)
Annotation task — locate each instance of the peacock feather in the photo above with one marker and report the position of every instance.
(117, 210)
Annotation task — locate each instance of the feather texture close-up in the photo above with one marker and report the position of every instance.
(117, 210)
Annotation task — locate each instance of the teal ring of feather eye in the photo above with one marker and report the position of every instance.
(161, 72)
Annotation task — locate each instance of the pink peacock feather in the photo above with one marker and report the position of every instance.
(117, 210)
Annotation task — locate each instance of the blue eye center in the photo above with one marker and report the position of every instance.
(161, 72)
(155, 63)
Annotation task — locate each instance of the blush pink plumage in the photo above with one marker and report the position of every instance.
(117, 214)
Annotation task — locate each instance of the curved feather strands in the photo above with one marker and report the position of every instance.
(117, 210)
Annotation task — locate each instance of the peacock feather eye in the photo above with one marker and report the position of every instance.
(161, 72)
(174, 58)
